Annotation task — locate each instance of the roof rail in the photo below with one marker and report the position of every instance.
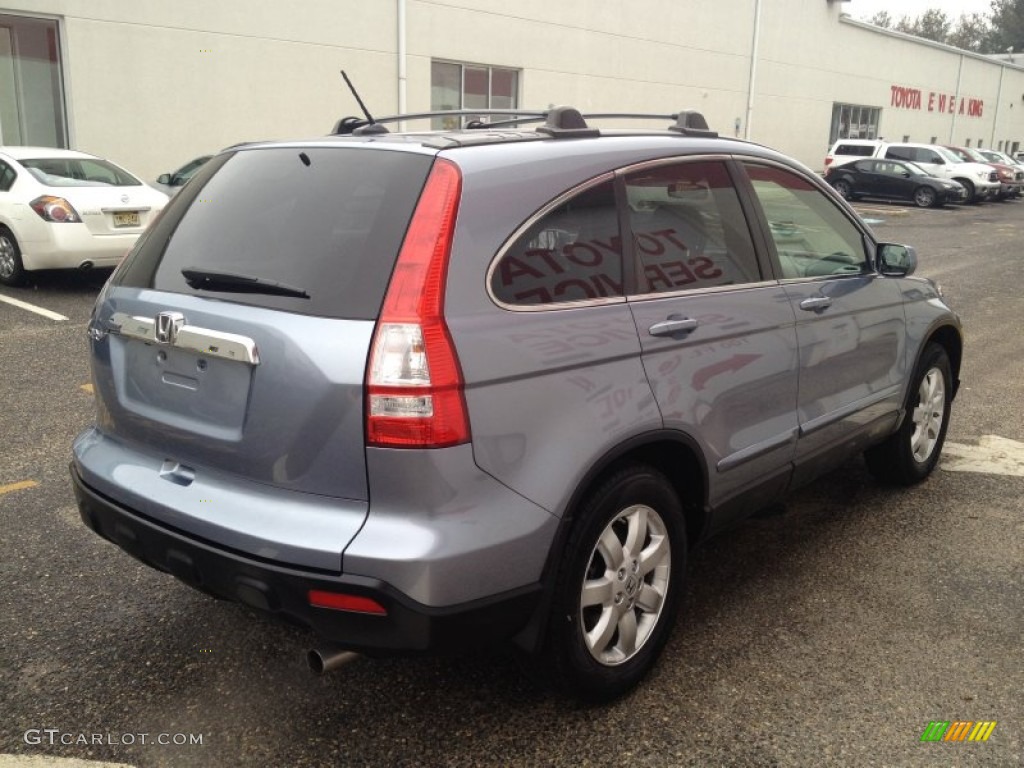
(348, 125)
(559, 122)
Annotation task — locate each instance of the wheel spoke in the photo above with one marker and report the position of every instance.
(627, 633)
(649, 600)
(597, 592)
(637, 533)
(599, 637)
(611, 549)
(655, 553)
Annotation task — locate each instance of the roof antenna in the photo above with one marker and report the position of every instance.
(369, 117)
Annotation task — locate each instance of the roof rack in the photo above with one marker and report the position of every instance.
(559, 122)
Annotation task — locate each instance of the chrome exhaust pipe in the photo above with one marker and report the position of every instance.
(327, 659)
(85, 266)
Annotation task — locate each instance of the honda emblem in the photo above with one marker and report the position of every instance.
(167, 325)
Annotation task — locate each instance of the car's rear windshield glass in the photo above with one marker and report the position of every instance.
(78, 172)
(326, 222)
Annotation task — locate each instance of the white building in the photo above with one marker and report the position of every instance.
(153, 83)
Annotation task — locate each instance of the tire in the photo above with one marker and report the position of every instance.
(925, 197)
(12, 271)
(971, 196)
(614, 606)
(910, 454)
(842, 186)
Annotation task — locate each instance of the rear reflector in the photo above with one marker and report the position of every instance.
(339, 601)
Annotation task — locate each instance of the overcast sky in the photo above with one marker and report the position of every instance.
(865, 9)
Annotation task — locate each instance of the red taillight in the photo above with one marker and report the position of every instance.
(828, 161)
(414, 386)
(339, 601)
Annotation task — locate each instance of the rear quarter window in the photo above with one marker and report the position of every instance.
(859, 150)
(328, 221)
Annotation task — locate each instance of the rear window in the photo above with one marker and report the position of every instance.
(326, 221)
(860, 150)
(78, 172)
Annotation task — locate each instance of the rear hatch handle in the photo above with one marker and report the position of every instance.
(172, 329)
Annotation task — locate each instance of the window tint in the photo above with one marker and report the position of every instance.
(573, 253)
(812, 236)
(861, 150)
(901, 153)
(325, 220)
(688, 228)
(7, 176)
(78, 172)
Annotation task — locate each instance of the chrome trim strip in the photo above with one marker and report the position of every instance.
(703, 291)
(126, 208)
(832, 417)
(749, 453)
(203, 341)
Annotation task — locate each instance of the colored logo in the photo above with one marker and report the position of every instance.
(958, 731)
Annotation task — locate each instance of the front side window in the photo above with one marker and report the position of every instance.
(812, 236)
(688, 229)
(573, 253)
(470, 86)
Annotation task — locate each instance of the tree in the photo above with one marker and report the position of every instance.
(933, 24)
(972, 33)
(1007, 26)
(882, 19)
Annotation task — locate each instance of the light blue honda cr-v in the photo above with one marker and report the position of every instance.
(427, 391)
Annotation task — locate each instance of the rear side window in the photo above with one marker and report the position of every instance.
(326, 221)
(7, 176)
(688, 228)
(572, 253)
(904, 153)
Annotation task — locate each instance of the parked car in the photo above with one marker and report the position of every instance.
(391, 386)
(61, 209)
(994, 156)
(893, 180)
(980, 180)
(1009, 182)
(170, 183)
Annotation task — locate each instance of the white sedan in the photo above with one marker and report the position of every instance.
(61, 209)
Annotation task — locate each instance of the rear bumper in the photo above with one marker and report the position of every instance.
(282, 591)
(66, 246)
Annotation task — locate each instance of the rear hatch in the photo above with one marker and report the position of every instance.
(234, 337)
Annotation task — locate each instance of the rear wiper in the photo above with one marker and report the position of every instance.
(210, 280)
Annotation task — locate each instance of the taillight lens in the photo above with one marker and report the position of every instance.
(55, 209)
(414, 386)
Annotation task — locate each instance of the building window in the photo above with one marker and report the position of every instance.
(850, 121)
(968, 142)
(31, 88)
(470, 86)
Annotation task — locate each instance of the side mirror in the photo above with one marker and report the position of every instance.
(164, 178)
(905, 174)
(938, 161)
(896, 260)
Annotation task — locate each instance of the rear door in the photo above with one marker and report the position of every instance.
(849, 320)
(717, 332)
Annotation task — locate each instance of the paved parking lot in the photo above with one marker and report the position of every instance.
(829, 635)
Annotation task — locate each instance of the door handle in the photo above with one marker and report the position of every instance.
(815, 303)
(674, 324)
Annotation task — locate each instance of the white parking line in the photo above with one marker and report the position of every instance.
(31, 308)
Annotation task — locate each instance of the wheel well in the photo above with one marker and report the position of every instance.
(948, 338)
(966, 182)
(679, 464)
